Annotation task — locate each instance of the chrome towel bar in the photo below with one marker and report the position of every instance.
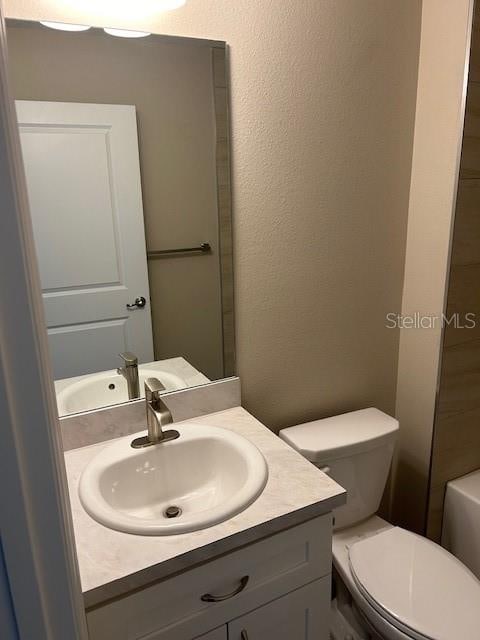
(203, 248)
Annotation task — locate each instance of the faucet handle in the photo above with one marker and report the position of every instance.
(153, 386)
(129, 358)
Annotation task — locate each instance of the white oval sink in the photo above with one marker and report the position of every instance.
(209, 474)
(108, 387)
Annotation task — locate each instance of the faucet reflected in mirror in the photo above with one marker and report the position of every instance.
(127, 172)
(130, 372)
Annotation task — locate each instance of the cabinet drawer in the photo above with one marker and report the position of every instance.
(173, 609)
(303, 614)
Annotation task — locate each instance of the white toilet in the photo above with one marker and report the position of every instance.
(390, 584)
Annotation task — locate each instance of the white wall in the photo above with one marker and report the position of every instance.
(438, 132)
(323, 98)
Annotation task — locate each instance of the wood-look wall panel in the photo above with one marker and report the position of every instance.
(463, 306)
(456, 438)
(463, 288)
(466, 244)
(470, 160)
(460, 380)
(474, 72)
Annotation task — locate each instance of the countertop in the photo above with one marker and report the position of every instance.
(113, 563)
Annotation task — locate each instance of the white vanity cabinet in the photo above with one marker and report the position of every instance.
(278, 588)
(302, 614)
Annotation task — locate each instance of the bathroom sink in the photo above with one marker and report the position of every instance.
(108, 387)
(202, 478)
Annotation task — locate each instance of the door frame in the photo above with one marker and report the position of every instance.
(36, 530)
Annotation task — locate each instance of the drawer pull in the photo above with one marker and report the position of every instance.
(208, 597)
(244, 635)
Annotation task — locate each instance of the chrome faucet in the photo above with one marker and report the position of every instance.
(130, 372)
(158, 416)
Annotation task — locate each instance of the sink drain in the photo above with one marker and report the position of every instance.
(172, 512)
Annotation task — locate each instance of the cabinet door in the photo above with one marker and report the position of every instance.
(303, 615)
(216, 634)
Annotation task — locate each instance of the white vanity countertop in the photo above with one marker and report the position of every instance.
(114, 563)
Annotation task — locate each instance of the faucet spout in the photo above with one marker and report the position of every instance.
(158, 416)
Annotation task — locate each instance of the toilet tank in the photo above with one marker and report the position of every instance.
(461, 520)
(356, 450)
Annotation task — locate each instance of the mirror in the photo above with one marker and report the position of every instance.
(125, 144)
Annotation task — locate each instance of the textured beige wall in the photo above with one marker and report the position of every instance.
(438, 127)
(171, 86)
(323, 99)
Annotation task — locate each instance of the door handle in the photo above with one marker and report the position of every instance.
(244, 635)
(208, 597)
(139, 303)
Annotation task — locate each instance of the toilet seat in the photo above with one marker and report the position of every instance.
(416, 586)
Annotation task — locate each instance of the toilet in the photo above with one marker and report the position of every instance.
(389, 583)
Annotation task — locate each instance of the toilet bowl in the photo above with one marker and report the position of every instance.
(400, 586)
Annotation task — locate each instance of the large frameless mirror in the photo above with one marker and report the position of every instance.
(125, 142)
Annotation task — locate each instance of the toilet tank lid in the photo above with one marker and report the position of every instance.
(341, 436)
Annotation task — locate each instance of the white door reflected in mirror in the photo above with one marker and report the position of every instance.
(89, 231)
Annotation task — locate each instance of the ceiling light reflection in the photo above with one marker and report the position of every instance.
(65, 26)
